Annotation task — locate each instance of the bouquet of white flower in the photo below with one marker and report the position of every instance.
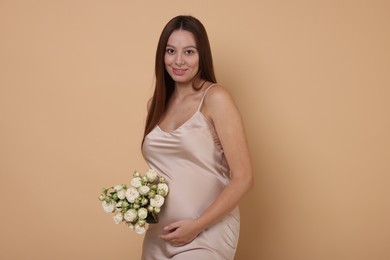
(137, 204)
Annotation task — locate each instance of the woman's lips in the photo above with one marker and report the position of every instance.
(179, 72)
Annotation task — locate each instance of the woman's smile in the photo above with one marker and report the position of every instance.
(181, 57)
(179, 72)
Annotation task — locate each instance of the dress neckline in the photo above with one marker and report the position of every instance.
(182, 125)
(191, 117)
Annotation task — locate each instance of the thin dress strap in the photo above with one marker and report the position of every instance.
(204, 95)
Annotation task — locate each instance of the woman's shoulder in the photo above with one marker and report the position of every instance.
(217, 100)
(216, 94)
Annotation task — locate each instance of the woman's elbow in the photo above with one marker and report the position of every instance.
(246, 181)
(250, 182)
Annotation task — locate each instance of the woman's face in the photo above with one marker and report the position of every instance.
(181, 57)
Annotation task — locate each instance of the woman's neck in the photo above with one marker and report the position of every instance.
(185, 89)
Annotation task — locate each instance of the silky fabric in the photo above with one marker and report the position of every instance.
(192, 160)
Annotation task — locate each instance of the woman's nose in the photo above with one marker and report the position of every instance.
(179, 59)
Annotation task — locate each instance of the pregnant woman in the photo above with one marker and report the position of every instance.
(195, 138)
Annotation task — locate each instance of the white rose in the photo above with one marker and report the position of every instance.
(118, 187)
(121, 194)
(108, 206)
(157, 201)
(162, 189)
(142, 213)
(143, 190)
(136, 182)
(119, 205)
(118, 218)
(130, 215)
(131, 194)
(151, 175)
(139, 230)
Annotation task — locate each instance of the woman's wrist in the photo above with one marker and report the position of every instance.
(200, 224)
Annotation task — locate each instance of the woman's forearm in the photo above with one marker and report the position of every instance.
(226, 201)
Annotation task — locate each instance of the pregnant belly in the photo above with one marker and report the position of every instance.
(188, 198)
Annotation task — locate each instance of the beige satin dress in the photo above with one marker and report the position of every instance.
(192, 160)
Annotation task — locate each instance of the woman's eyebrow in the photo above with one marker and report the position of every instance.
(186, 47)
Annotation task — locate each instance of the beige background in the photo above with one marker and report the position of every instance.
(311, 79)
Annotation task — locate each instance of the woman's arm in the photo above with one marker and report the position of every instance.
(220, 108)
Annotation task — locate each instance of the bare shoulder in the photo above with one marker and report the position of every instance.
(218, 97)
(219, 103)
(218, 91)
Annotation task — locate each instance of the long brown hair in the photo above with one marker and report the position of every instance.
(164, 83)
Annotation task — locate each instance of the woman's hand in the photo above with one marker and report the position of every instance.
(181, 232)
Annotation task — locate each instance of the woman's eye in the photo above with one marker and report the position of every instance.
(189, 51)
(170, 51)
